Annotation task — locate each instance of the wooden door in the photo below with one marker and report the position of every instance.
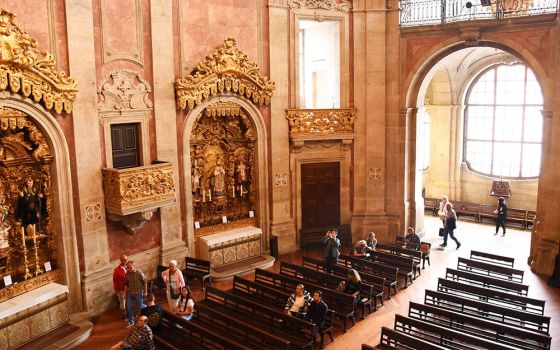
(320, 195)
(125, 145)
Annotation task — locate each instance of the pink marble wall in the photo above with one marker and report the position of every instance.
(33, 17)
(121, 21)
(121, 242)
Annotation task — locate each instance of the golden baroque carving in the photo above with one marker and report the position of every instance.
(321, 121)
(30, 72)
(13, 146)
(230, 225)
(229, 70)
(133, 190)
(342, 5)
(23, 287)
(124, 89)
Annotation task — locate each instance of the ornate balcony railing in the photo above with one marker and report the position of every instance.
(429, 12)
(133, 190)
(321, 125)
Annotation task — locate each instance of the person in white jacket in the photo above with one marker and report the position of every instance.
(174, 281)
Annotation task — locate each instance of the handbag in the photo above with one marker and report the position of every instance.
(441, 231)
(172, 294)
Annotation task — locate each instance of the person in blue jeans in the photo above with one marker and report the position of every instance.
(136, 288)
(450, 225)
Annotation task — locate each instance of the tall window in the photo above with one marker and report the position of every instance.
(503, 122)
(319, 64)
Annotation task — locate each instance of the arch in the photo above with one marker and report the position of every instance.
(262, 160)
(63, 201)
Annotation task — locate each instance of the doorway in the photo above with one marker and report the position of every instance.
(320, 195)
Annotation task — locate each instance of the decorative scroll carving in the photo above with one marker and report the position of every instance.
(93, 212)
(222, 157)
(281, 179)
(471, 36)
(139, 189)
(124, 89)
(375, 174)
(226, 70)
(339, 5)
(321, 121)
(26, 70)
(27, 234)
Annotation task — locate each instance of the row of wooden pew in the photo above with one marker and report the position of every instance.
(480, 304)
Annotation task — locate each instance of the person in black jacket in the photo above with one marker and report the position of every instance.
(502, 214)
(317, 312)
(332, 249)
(450, 225)
(153, 312)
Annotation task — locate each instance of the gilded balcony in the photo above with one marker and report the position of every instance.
(321, 125)
(138, 190)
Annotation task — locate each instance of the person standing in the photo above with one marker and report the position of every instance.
(174, 281)
(317, 312)
(502, 215)
(136, 289)
(332, 249)
(119, 279)
(450, 225)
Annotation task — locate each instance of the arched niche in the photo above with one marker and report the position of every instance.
(260, 157)
(68, 261)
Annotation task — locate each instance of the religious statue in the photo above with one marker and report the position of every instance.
(30, 206)
(241, 178)
(4, 225)
(195, 181)
(219, 179)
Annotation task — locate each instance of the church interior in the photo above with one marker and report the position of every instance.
(230, 138)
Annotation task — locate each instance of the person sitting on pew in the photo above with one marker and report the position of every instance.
(140, 338)
(360, 250)
(353, 284)
(298, 302)
(153, 312)
(371, 242)
(185, 307)
(317, 312)
(412, 240)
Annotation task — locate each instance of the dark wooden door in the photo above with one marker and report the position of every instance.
(320, 195)
(125, 145)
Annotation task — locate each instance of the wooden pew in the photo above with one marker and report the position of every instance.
(491, 270)
(492, 258)
(376, 282)
(467, 209)
(487, 212)
(309, 236)
(492, 296)
(405, 265)
(233, 328)
(510, 335)
(178, 333)
(261, 293)
(497, 313)
(342, 304)
(487, 282)
(531, 215)
(391, 339)
(432, 205)
(197, 269)
(413, 254)
(516, 215)
(388, 272)
(297, 331)
(444, 336)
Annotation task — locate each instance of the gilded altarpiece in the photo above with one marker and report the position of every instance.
(222, 152)
(27, 234)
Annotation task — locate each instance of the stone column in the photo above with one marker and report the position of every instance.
(409, 114)
(81, 57)
(172, 244)
(282, 222)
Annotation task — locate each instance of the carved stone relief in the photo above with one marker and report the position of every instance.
(281, 179)
(339, 5)
(124, 90)
(375, 174)
(93, 212)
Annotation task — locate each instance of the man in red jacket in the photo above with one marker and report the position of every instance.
(119, 277)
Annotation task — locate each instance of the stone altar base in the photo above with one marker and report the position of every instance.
(28, 319)
(241, 268)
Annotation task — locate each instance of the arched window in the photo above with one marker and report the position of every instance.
(503, 123)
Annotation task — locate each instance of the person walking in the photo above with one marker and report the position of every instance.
(442, 211)
(332, 249)
(502, 214)
(174, 281)
(450, 225)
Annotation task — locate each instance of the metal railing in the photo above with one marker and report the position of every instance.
(429, 12)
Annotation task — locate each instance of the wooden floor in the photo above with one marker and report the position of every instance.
(109, 329)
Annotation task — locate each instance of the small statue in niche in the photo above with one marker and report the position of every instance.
(4, 225)
(30, 206)
(195, 181)
(219, 179)
(241, 177)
